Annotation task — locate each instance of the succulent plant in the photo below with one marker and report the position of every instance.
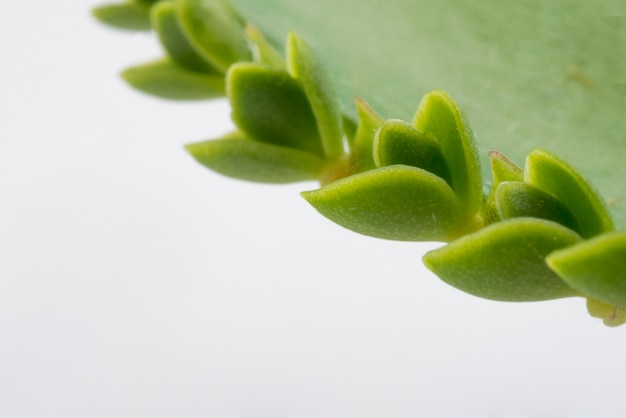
(546, 88)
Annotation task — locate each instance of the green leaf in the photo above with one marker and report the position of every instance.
(505, 261)
(270, 106)
(303, 65)
(526, 73)
(438, 115)
(165, 24)
(362, 143)
(395, 202)
(244, 159)
(611, 315)
(131, 15)
(596, 267)
(215, 30)
(349, 128)
(502, 169)
(553, 175)
(397, 142)
(517, 199)
(262, 51)
(163, 78)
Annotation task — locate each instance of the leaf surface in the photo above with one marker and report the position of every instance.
(395, 202)
(505, 261)
(555, 176)
(244, 159)
(517, 199)
(361, 143)
(439, 115)
(397, 142)
(165, 24)
(270, 106)
(129, 15)
(166, 79)
(596, 267)
(262, 51)
(526, 73)
(303, 64)
(215, 29)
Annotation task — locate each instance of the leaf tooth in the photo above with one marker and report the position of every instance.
(506, 261)
(164, 78)
(238, 157)
(129, 15)
(611, 315)
(397, 142)
(596, 267)
(502, 169)
(440, 116)
(361, 143)
(271, 107)
(165, 23)
(262, 51)
(394, 202)
(304, 65)
(514, 199)
(555, 176)
(215, 30)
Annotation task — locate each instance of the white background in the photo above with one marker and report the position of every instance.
(134, 283)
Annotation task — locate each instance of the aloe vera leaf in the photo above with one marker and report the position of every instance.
(397, 142)
(130, 15)
(552, 174)
(526, 73)
(303, 65)
(163, 78)
(268, 105)
(262, 51)
(506, 261)
(596, 267)
(395, 202)
(517, 199)
(241, 158)
(165, 24)
(215, 30)
(439, 115)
